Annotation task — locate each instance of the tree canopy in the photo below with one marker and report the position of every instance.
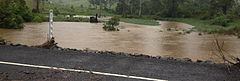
(178, 8)
(14, 13)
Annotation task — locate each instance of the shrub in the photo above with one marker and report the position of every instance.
(110, 25)
(37, 19)
(113, 21)
(10, 20)
(28, 17)
(221, 20)
(235, 30)
(205, 16)
(109, 28)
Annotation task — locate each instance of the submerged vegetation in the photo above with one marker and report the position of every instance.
(111, 24)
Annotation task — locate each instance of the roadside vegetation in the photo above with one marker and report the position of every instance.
(14, 13)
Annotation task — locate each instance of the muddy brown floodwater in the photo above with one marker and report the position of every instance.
(132, 38)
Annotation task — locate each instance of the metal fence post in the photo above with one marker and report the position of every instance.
(50, 29)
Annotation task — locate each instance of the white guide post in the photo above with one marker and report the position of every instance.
(50, 29)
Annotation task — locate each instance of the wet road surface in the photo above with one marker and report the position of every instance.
(126, 65)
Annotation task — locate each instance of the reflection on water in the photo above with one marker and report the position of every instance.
(151, 40)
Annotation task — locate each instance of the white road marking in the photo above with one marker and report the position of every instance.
(83, 71)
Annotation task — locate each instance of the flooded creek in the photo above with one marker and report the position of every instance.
(132, 38)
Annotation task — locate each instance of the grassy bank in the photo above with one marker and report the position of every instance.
(200, 25)
(140, 21)
(207, 26)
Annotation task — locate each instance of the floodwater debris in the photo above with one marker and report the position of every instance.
(199, 61)
(187, 59)
(47, 45)
(200, 34)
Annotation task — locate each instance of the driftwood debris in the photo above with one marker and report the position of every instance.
(224, 55)
(47, 45)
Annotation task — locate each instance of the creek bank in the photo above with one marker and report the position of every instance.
(205, 26)
(135, 55)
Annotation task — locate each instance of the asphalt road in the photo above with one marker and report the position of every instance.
(116, 64)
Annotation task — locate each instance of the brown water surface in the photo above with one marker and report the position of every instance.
(132, 38)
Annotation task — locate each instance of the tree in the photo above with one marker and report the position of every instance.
(146, 8)
(36, 4)
(221, 6)
(140, 8)
(225, 5)
(205, 9)
(122, 7)
(111, 3)
(134, 7)
(101, 3)
(14, 13)
(173, 7)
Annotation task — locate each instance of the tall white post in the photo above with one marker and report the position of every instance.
(50, 29)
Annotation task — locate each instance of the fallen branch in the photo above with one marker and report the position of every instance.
(224, 55)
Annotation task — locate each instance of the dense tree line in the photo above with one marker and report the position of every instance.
(103, 4)
(179, 8)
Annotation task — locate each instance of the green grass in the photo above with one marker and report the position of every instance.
(140, 21)
(205, 25)
(200, 25)
(235, 22)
